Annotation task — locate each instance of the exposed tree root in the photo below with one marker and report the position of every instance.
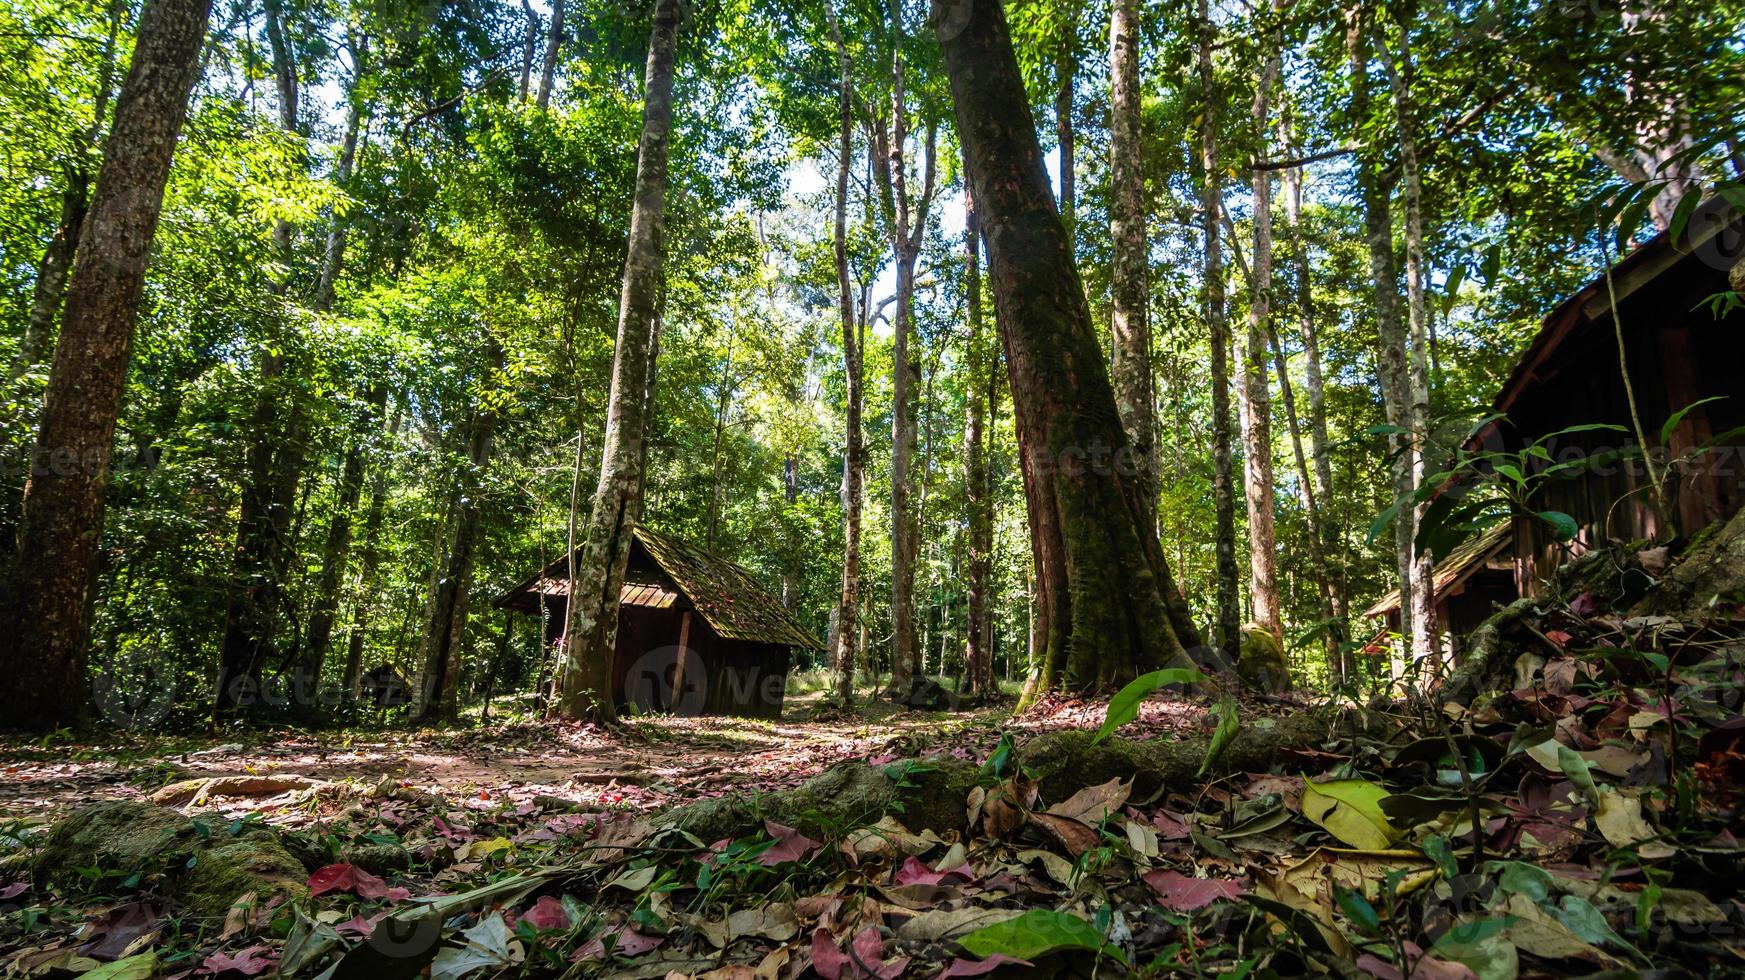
(930, 793)
(198, 791)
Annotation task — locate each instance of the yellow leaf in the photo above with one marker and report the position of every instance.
(1350, 809)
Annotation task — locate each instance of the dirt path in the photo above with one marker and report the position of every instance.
(647, 764)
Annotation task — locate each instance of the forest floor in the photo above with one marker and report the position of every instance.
(1568, 804)
(644, 765)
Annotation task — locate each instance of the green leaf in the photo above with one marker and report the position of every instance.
(1350, 809)
(1226, 712)
(1519, 878)
(1687, 206)
(1436, 848)
(1575, 767)
(1480, 947)
(1678, 416)
(1037, 932)
(1564, 525)
(1358, 910)
(1124, 706)
(1381, 522)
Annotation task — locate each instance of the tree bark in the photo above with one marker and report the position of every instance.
(43, 651)
(1228, 613)
(372, 560)
(1421, 582)
(445, 633)
(553, 43)
(528, 42)
(906, 218)
(592, 631)
(975, 464)
(271, 466)
(1135, 388)
(337, 549)
(1374, 196)
(1256, 388)
(848, 604)
(1106, 582)
(1066, 77)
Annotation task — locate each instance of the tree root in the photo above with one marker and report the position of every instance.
(198, 791)
(931, 793)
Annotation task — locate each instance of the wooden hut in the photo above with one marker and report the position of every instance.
(1682, 348)
(697, 634)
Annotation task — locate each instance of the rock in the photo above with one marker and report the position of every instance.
(198, 859)
(1260, 661)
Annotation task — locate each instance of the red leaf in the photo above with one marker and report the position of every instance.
(1180, 893)
(547, 913)
(360, 926)
(627, 942)
(790, 845)
(865, 963)
(961, 967)
(250, 962)
(349, 878)
(14, 890)
(915, 872)
(1169, 826)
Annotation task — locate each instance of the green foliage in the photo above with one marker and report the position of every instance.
(1124, 706)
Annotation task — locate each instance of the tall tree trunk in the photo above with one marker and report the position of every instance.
(528, 42)
(906, 218)
(1228, 613)
(372, 560)
(333, 255)
(445, 633)
(1421, 581)
(271, 466)
(1262, 540)
(1107, 578)
(337, 548)
(975, 465)
(848, 604)
(1135, 391)
(43, 650)
(586, 683)
(553, 43)
(1374, 195)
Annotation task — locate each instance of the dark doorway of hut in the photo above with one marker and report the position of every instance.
(697, 634)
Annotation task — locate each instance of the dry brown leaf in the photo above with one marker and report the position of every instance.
(1093, 804)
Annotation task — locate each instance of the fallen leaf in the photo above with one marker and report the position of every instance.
(347, 878)
(1073, 836)
(1350, 809)
(141, 967)
(1619, 819)
(790, 845)
(1034, 934)
(250, 962)
(1180, 893)
(547, 913)
(1093, 804)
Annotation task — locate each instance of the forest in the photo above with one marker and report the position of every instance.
(872, 488)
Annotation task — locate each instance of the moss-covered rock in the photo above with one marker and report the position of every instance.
(1710, 576)
(197, 859)
(1260, 660)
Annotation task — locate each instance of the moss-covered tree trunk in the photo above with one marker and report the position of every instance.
(1227, 610)
(1130, 332)
(585, 684)
(42, 646)
(1104, 581)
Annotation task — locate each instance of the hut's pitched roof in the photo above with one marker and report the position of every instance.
(1461, 564)
(723, 593)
